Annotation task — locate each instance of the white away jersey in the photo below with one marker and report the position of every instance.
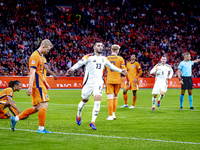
(162, 73)
(94, 68)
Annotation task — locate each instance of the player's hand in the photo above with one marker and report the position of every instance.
(157, 69)
(54, 76)
(135, 80)
(46, 85)
(124, 72)
(181, 82)
(29, 91)
(127, 84)
(70, 72)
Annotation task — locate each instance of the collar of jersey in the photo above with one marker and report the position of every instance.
(132, 62)
(39, 52)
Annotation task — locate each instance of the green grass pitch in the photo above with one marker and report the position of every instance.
(140, 129)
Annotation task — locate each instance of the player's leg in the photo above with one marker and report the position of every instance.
(86, 92)
(42, 117)
(162, 94)
(190, 98)
(125, 96)
(190, 87)
(97, 101)
(134, 98)
(109, 92)
(155, 92)
(4, 113)
(115, 99)
(182, 98)
(134, 88)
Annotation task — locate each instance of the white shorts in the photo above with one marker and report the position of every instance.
(159, 87)
(87, 91)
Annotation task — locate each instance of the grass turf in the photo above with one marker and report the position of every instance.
(167, 127)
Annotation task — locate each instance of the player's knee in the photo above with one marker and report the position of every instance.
(8, 115)
(124, 92)
(110, 96)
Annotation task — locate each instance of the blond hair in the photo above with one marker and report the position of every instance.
(46, 43)
(115, 48)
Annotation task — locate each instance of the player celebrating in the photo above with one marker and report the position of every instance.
(185, 70)
(134, 72)
(93, 82)
(6, 97)
(162, 75)
(37, 88)
(113, 82)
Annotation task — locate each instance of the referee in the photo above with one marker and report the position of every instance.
(184, 74)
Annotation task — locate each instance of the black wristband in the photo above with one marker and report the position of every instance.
(180, 79)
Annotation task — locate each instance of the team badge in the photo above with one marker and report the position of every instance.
(33, 62)
(133, 66)
(10, 93)
(47, 96)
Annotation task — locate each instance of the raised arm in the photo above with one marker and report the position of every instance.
(197, 60)
(171, 73)
(80, 63)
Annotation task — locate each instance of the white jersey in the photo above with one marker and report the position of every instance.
(162, 73)
(94, 69)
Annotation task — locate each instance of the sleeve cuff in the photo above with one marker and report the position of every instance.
(33, 67)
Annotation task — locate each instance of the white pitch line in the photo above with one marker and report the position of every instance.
(76, 105)
(105, 136)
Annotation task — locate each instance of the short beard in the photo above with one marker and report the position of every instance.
(99, 52)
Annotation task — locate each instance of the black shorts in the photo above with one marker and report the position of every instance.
(187, 83)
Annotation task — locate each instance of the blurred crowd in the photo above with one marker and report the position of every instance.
(147, 28)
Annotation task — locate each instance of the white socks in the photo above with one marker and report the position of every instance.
(41, 128)
(16, 118)
(95, 110)
(80, 108)
(153, 101)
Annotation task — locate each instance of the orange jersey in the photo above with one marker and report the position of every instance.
(133, 70)
(114, 77)
(36, 62)
(8, 92)
(44, 70)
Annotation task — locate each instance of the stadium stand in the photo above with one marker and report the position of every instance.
(148, 28)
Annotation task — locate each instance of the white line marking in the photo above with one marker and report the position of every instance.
(105, 136)
(76, 105)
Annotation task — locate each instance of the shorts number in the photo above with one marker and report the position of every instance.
(112, 62)
(98, 66)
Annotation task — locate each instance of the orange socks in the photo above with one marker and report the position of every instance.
(115, 101)
(26, 113)
(110, 106)
(2, 116)
(134, 100)
(125, 98)
(42, 116)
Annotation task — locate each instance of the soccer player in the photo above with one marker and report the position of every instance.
(37, 88)
(134, 72)
(184, 74)
(6, 97)
(93, 81)
(46, 69)
(113, 82)
(161, 70)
